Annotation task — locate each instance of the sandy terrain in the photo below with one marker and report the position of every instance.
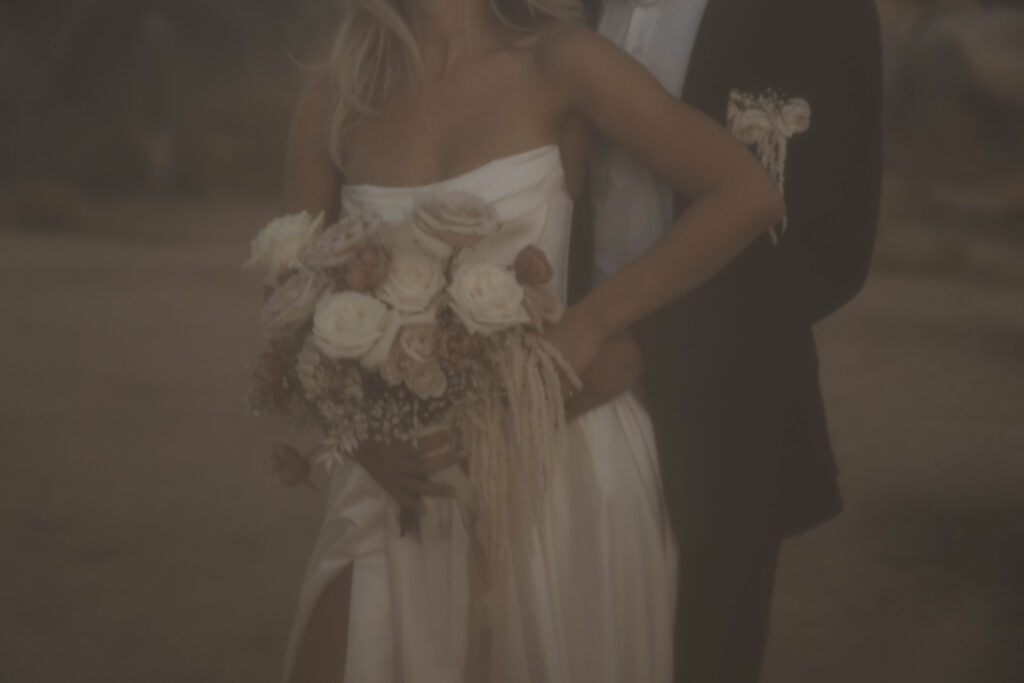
(146, 541)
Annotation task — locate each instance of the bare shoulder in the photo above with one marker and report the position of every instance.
(578, 61)
(563, 48)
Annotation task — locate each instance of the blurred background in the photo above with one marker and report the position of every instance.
(141, 145)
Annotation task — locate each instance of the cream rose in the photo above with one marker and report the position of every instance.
(794, 117)
(281, 245)
(354, 326)
(414, 281)
(445, 221)
(751, 125)
(426, 380)
(292, 304)
(486, 298)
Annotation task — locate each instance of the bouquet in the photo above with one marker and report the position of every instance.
(380, 331)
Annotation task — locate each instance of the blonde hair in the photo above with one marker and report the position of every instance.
(376, 54)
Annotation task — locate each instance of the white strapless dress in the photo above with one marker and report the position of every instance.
(594, 599)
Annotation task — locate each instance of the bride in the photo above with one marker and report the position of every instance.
(499, 98)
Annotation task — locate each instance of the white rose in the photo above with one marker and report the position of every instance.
(794, 117)
(280, 246)
(751, 125)
(353, 326)
(414, 281)
(445, 221)
(486, 298)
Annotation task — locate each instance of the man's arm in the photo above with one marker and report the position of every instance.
(834, 173)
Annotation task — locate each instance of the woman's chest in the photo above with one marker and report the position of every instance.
(442, 129)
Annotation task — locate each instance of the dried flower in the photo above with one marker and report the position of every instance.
(291, 305)
(460, 348)
(338, 244)
(281, 245)
(541, 305)
(369, 269)
(270, 366)
(347, 382)
(269, 392)
(291, 466)
(396, 367)
(532, 266)
(311, 369)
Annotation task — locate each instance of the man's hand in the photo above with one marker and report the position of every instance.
(405, 473)
(616, 369)
(577, 337)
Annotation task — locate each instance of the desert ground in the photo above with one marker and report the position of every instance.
(145, 539)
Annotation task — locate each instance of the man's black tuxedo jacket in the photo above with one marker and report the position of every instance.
(731, 368)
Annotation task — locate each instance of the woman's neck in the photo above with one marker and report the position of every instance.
(451, 33)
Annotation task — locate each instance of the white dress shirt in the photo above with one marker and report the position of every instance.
(632, 207)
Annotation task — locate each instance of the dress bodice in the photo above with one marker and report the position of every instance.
(527, 190)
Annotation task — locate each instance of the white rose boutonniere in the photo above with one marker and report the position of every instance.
(751, 126)
(767, 122)
(487, 298)
(281, 245)
(354, 326)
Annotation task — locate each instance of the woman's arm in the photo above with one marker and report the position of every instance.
(312, 182)
(734, 200)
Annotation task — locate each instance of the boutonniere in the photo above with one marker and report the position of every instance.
(766, 122)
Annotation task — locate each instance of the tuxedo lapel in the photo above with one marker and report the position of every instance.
(704, 71)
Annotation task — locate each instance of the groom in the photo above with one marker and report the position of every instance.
(731, 370)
